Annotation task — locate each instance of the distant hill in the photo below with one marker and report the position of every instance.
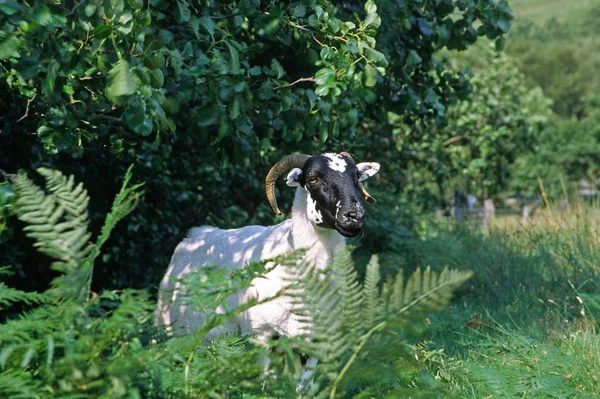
(540, 11)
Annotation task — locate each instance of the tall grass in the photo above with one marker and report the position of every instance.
(526, 324)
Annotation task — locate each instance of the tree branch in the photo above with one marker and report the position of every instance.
(311, 79)
(75, 7)
(7, 176)
(27, 108)
(452, 140)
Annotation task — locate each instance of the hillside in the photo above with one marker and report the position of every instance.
(540, 11)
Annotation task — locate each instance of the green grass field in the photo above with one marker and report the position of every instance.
(526, 324)
(541, 11)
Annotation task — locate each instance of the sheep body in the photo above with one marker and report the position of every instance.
(234, 249)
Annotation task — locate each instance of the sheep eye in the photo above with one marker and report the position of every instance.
(313, 180)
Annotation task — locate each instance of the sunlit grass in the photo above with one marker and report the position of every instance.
(526, 324)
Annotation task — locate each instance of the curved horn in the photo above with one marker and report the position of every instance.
(344, 153)
(365, 194)
(361, 187)
(286, 163)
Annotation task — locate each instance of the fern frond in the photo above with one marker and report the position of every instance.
(58, 224)
(315, 299)
(349, 324)
(351, 299)
(125, 202)
(424, 292)
(371, 312)
(18, 384)
(10, 295)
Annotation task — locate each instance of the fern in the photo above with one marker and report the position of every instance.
(74, 345)
(58, 221)
(10, 295)
(125, 202)
(18, 384)
(347, 324)
(58, 224)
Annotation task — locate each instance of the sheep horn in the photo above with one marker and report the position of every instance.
(361, 187)
(344, 153)
(365, 194)
(286, 163)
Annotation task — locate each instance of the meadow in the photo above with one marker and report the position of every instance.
(526, 324)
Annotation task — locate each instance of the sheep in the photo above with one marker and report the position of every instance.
(326, 210)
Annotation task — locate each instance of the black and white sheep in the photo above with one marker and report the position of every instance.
(327, 208)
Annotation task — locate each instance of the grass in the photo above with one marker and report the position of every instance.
(526, 324)
(540, 11)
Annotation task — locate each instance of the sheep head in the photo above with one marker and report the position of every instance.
(334, 185)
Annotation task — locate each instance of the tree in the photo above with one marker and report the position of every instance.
(485, 134)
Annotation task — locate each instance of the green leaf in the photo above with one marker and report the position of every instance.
(370, 75)
(90, 9)
(504, 7)
(255, 71)
(347, 27)
(102, 32)
(247, 7)
(323, 134)
(208, 24)
(224, 128)
(10, 7)
(121, 82)
(372, 21)
(42, 15)
(503, 24)
(170, 105)
(234, 59)
(235, 107)
(182, 11)
(413, 58)
(265, 144)
(499, 43)
(9, 44)
(208, 116)
(269, 26)
(277, 68)
(165, 36)
(373, 55)
(125, 18)
(325, 77)
(370, 7)
(51, 73)
(157, 79)
(322, 91)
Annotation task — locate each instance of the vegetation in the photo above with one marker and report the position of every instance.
(75, 342)
(201, 97)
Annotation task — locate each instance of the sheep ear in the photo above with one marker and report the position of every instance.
(293, 176)
(367, 169)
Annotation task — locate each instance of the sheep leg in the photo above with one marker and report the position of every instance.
(306, 379)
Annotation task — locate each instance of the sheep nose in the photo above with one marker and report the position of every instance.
(354, 215)
(350, 215)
